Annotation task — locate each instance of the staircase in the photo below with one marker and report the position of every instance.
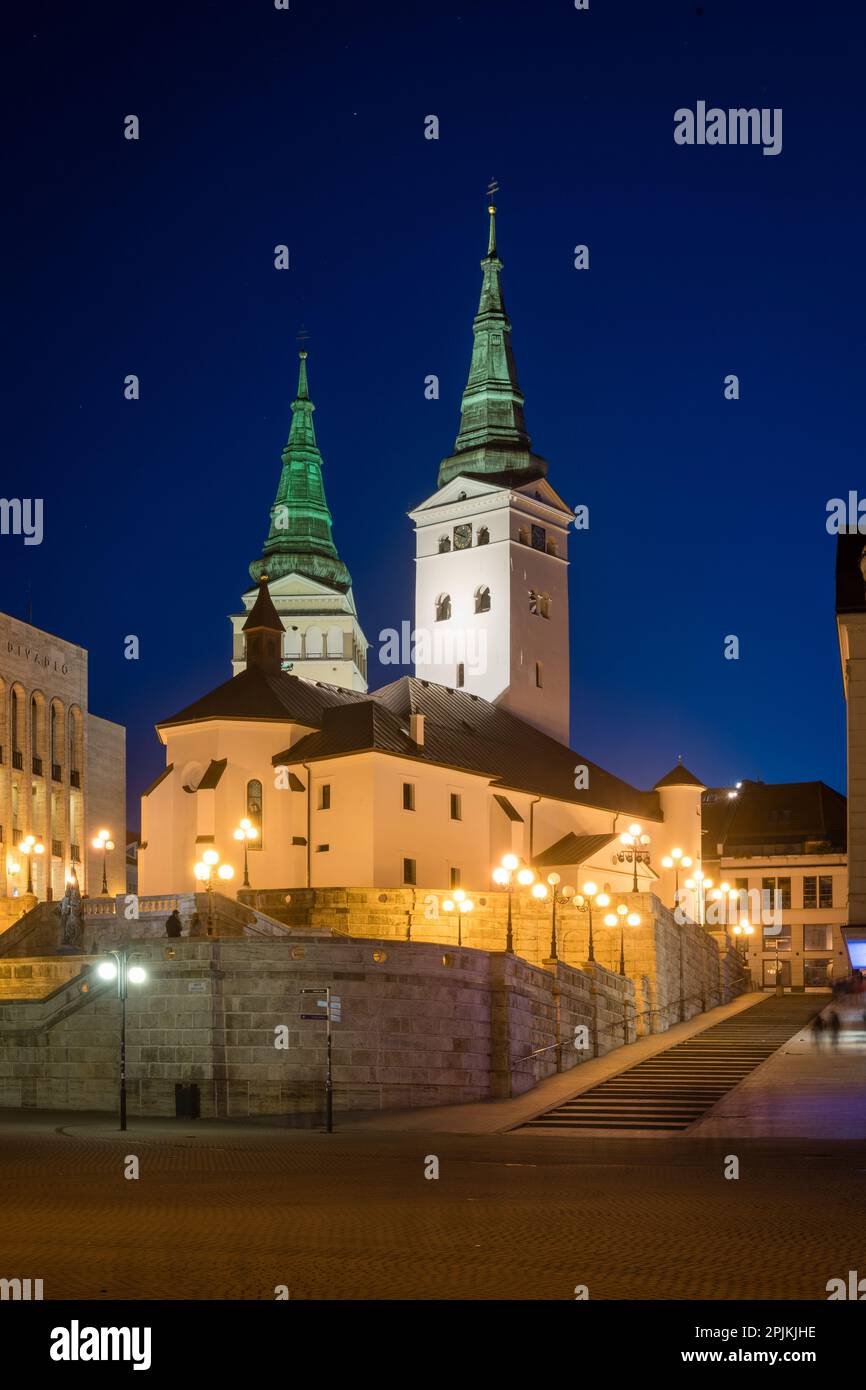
(673, 1089)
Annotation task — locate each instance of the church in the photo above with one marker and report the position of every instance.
(431, 779)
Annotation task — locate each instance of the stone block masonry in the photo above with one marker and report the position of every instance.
(421, 1025)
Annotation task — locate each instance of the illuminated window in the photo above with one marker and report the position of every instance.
(254, 811)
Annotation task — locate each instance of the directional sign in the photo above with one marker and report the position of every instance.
(321, 1017)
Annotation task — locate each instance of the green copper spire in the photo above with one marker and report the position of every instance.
(492, 442)
(300, 539)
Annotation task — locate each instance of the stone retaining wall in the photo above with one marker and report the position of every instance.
(420, 1026)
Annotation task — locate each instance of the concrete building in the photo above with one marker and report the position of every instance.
(782, 847)
(62, 771)
(308, 582)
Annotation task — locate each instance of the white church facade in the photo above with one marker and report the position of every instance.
(430, 780)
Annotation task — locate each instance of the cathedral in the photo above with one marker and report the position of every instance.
(431, 779)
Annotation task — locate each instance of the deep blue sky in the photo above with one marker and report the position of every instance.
(306, 127)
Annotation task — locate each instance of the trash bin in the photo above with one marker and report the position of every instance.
(187, 1101)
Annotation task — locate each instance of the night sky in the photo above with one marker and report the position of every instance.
(306, 127)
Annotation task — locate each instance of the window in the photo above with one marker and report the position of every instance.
(408, 796)
(539, 538)
(772, 935)
(461, 675)
(818, 938)
(775, 892)
(409, 872)
(325, 796)
(482, 599)
(825, 890)
(444, 545)
(455, 877)
(322, 849)
(443, 608)
(462, 536)
(482, 536)
(539, 675)
(456, 808)
(816, 973)
(539, 604)
(810, 891)
(254, 811)
(770, 972)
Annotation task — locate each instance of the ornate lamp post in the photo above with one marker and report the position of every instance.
(700, 886)
(504, 875)
(29, 846)
(583, 902)
(460, 904)
(104, 842)
(622, 916)
(204, 872)
(559, 897)
(742, 931)
(634, 853)
(677, 860)
(119, 969)
(246, 831)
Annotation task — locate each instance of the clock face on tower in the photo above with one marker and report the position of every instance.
(462, 537)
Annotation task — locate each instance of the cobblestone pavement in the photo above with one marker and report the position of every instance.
(231, 1215)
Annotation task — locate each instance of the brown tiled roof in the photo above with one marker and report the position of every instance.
(679, 776)
(781, 817)
(463, 731)
(572, 849)
(274, 696)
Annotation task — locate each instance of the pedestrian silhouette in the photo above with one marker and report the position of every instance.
(173, 926)
(818, 1026)
(835, 1026)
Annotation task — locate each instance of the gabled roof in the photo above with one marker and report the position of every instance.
(463, 731)
(572, 849)
(272, 696)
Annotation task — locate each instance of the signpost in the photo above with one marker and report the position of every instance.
(333, 1006)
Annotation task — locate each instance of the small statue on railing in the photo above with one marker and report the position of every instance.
(71, 920)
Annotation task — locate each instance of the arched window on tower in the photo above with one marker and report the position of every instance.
(539, 604)
(254, 811)
(482, 536)
(443, 608)
(314, 642)
(482, 599)
(444, 544)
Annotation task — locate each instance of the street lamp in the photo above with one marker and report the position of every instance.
(742, 931)
(622, 916)
(459, 903)
(104, 842)
(676, 860)
(583, 902)
(246, 831)
(204, 872)
(559, 897)
(504, 875)
(29, 846)
(700, 886)
(634, 853)
(125, 974)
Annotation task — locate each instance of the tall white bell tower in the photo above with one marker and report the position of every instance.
(491, 580)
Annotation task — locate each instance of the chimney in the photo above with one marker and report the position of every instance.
(416, 729)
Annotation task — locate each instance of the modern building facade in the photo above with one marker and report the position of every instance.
(62, 769)
(782, 847)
